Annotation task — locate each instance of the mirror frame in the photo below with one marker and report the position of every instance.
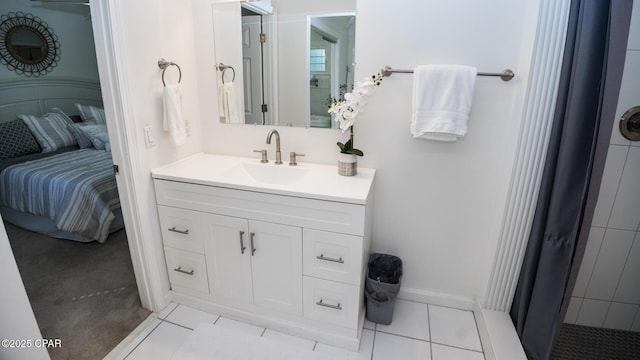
(11, 23)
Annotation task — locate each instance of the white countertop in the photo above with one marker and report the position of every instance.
(318, 181)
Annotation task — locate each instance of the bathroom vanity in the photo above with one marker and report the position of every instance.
(279, 246)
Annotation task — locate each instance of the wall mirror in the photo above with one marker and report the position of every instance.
(27, 45)
(282, 66)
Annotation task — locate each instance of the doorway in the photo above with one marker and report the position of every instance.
(84, 294)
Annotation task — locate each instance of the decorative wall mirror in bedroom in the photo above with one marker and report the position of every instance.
(28, 45)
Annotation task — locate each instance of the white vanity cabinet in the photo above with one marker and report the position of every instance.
(276, 257)
(254, 262)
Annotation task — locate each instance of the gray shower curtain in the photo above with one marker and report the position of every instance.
(587, 97)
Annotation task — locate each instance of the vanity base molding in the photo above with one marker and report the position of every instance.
(311, 330)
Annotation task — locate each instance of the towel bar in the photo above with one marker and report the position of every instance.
(164, 64)
(222, 67)
(505, 75)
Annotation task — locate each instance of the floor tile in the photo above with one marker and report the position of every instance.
(409, 319)
(190, 317)
(454, 327)
(443, 352)
(620, 316)
(161, 343)
(593, 312)
(240, 326)
(135, 338)
(291, 340)
(167, 310)
(366, 347)
(387, 346)
(369, 325)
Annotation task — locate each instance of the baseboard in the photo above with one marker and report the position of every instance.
(128, 344)
(433, 298)
(288, 324)
(498, 335)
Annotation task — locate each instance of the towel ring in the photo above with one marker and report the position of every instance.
(164, 64)
(222, 67)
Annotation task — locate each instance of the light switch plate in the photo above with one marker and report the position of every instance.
(149, 140)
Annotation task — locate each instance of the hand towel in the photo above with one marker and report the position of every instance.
(442, 97)
(173, 121)
(230, 104)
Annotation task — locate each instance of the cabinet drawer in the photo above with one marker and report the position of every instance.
(181, 229)
(331, 302)
(187, 269)
(332, 256)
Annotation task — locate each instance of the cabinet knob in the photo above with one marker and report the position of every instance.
(242, 247)
(322, 257)
(181, 270)
(183, 232)
(253, 248)
(334, 307)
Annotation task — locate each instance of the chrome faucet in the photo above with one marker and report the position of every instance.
(278, 154)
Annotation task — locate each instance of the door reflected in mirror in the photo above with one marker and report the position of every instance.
(331, 59)
(288, 63)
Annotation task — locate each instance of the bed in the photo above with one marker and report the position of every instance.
(67, 189)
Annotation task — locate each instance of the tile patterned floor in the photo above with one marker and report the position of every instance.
(419, 331)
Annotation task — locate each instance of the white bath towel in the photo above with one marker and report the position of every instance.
(230, 107)
(173, 120)
(442, 97)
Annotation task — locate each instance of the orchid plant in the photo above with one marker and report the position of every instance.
(347, 109)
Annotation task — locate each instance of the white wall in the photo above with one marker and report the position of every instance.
(72, 25)
(607, 291)
(15, 308)
(153, 29)
(439, 206)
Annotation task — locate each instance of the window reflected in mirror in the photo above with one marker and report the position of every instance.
(331, 59)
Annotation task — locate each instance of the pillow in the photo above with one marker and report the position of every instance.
(62, 114)
(91, 113)
(104, 137)
(50, 131)
(16, 140)
(83, 140)
(94, 133)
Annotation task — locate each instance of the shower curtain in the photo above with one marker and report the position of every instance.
(585, 110)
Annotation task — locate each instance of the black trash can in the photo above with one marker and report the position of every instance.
(382, 285)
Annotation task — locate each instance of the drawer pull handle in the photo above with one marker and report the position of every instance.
(334, 307)
(183, 232)
(253, 248)
(322, 257)
(242, 247)
(179, 269)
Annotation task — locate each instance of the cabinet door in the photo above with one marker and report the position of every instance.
(227, 250)
(277, 266)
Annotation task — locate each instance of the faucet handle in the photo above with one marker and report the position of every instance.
(264, 155)
(292, 158)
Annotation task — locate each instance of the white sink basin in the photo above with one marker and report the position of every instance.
(270, 174)
(315, 181)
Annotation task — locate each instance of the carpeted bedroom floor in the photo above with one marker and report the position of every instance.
(83, 294)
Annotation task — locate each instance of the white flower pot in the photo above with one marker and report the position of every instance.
(347, 164)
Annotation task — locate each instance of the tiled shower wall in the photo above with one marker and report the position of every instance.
(607, 292)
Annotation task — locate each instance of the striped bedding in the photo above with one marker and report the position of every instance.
(77, 190)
